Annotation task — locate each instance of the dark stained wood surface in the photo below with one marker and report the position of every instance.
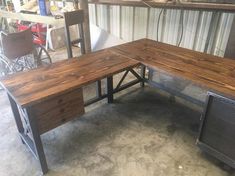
(208, 71)
(58, 110)
(35, 86)
(211, 72)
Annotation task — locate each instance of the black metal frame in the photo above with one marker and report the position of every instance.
(219, 155)
(34, 142)
(170, 90)
(110, 90)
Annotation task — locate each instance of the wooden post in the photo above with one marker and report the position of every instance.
(230, 49)
(84, 7)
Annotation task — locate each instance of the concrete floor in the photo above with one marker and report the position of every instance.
(141, 134)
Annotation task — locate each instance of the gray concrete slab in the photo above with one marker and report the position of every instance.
(141, 134)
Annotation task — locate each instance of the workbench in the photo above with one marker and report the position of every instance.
(47, 97)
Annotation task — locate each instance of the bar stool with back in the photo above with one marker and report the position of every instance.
(74, 18)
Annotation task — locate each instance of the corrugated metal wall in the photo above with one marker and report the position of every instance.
(202, 31)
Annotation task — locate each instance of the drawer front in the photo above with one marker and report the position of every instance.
(59, 110)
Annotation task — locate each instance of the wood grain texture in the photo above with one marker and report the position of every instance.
(74, 17)
(35, 86)
(58, 110)
(214, 73)
(211, 72)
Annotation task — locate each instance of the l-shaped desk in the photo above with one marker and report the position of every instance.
(47, 97)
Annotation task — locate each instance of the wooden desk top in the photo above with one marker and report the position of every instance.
(214, 73)
(34, 86)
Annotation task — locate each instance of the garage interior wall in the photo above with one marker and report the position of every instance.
(205, 31)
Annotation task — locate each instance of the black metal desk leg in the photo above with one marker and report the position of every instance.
(16, 115)
(150, 74)
(37, 141)
(142, 73)
(110, 89)
(98, 89)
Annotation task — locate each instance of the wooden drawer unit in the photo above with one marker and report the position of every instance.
(58, 110)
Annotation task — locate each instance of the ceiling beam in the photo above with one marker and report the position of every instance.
(173, 5)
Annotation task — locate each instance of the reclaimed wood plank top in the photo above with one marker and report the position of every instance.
(36, 85)
(211, 72)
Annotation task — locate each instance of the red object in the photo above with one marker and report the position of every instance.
(38, 30)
